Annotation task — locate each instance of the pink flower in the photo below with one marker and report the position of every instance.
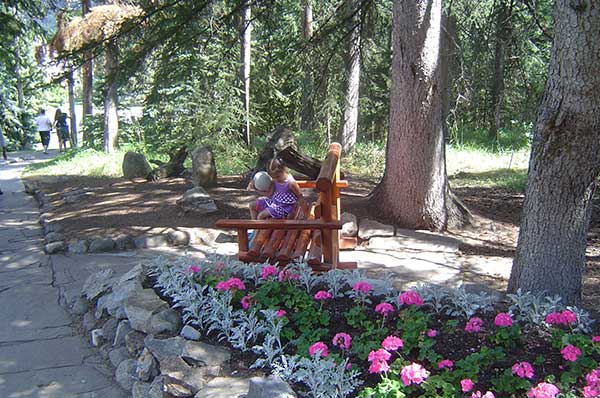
(474, 325)
(570, 353)
(413, 373)
(286, 275)
(348, 366)
(569, 317)
(543, 390)
(445, 363)
(322, 295)
(596, 339)
(566, 317)
(364, 287)
(553, 318)
(410, 297)
(590, 392)
(379, 355)
(268, 271)
(318, 347)
(392, 343)
(503, 320)
(477, 394)
(593, 377)
(246, 301)
(432, 333)
(194, 269)
(523, 370)
(467, 385)
(231, 284)
(281, 313)
(342, 340)
(379, 367)
(384, 308)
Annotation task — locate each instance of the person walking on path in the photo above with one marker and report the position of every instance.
(44, 126)
(3, 144)
(62, 129)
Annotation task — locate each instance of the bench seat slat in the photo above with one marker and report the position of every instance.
(278, 224)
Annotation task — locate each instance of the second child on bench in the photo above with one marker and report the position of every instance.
(281, 197)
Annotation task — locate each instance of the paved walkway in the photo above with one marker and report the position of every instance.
(41, 354)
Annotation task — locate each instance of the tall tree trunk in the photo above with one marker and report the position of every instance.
(20, 103)
(449, 50)
(72, 115)
(565, 159)
(349, 124)
(503, 32)
(245, 42)
(307, 113)
(414, 190)
(86, 76)
(111, 120)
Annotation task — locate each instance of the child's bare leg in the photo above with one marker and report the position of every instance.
(263, 215)
(252, 208)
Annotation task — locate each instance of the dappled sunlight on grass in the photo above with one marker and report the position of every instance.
(512, 179)
(88, 162)
(477, 160)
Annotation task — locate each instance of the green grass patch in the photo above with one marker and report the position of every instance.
(512, 179)
(81, 162)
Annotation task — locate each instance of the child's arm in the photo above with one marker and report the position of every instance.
(296, 189)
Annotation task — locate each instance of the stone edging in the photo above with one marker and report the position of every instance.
(54, 240)
(152, 355)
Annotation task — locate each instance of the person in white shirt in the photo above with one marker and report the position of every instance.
(44, 126)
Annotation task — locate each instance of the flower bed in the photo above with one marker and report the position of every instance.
(341, 334)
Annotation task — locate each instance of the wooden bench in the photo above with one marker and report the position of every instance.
(311, 234)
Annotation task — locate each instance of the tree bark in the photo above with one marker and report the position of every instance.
(20, 103)
(307, 113)
(414, 191)
(349, 123)
(111, 120)
(72, 115)
(565, 160)
(86, 76)
(245, 42)
(449, 50)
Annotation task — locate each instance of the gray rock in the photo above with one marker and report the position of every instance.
(178, 238)
(122, 329)
(79, 247)
(52, 227)
(204, 169)
(177, 390)
(125, 374)
(369, 228)
(44, 219)
(124, 242)
(134, 341)
(109, 329)
(350, 225)
(97, 284)
(135, 165)
(80, 306)
(118, 355)
(272, 387)
(55, 247)
(114, 303)
(101, 245)
(89, 321)
(157, 241)
(225, 387)
(226, 238)
(166, 321)
(189, 333)
(140, 390)
(31, 187)
(146, 367)
(96, 337)
(137, 273)
(140, 242)
(104, 350)
(141, 307)
(156, 388)
(197, 200)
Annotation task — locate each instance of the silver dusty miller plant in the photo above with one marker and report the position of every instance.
(325, 378)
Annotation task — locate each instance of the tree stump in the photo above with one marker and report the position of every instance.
(173, 168)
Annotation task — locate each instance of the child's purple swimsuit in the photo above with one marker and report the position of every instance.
(281, 204)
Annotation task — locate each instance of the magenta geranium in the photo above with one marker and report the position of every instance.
(432, 333)
(318, 347)
(503, 320)
(590, 392)
(342, 340)
(231, 284)
(570, 353)
(413, 373)
(322, 295)
(286, 275)
(379, 367)
(268, 271)
(246, 301)
(543, 390)
(410, 297)
(479, 394)
(379, 355)
(565, 317)
(466, 385)
(596, 339)
(523, 370)
(194, 269)
(363, 287)
(445, 364)
(474, 325)
(281, 313)
(392, 343)
(384, 308)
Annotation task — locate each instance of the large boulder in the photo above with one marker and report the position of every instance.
(204, 170)
(135, 165)
(197, 200)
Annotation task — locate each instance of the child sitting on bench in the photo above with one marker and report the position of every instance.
(281, 197)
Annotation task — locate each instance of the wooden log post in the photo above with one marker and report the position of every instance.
(326, 184)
